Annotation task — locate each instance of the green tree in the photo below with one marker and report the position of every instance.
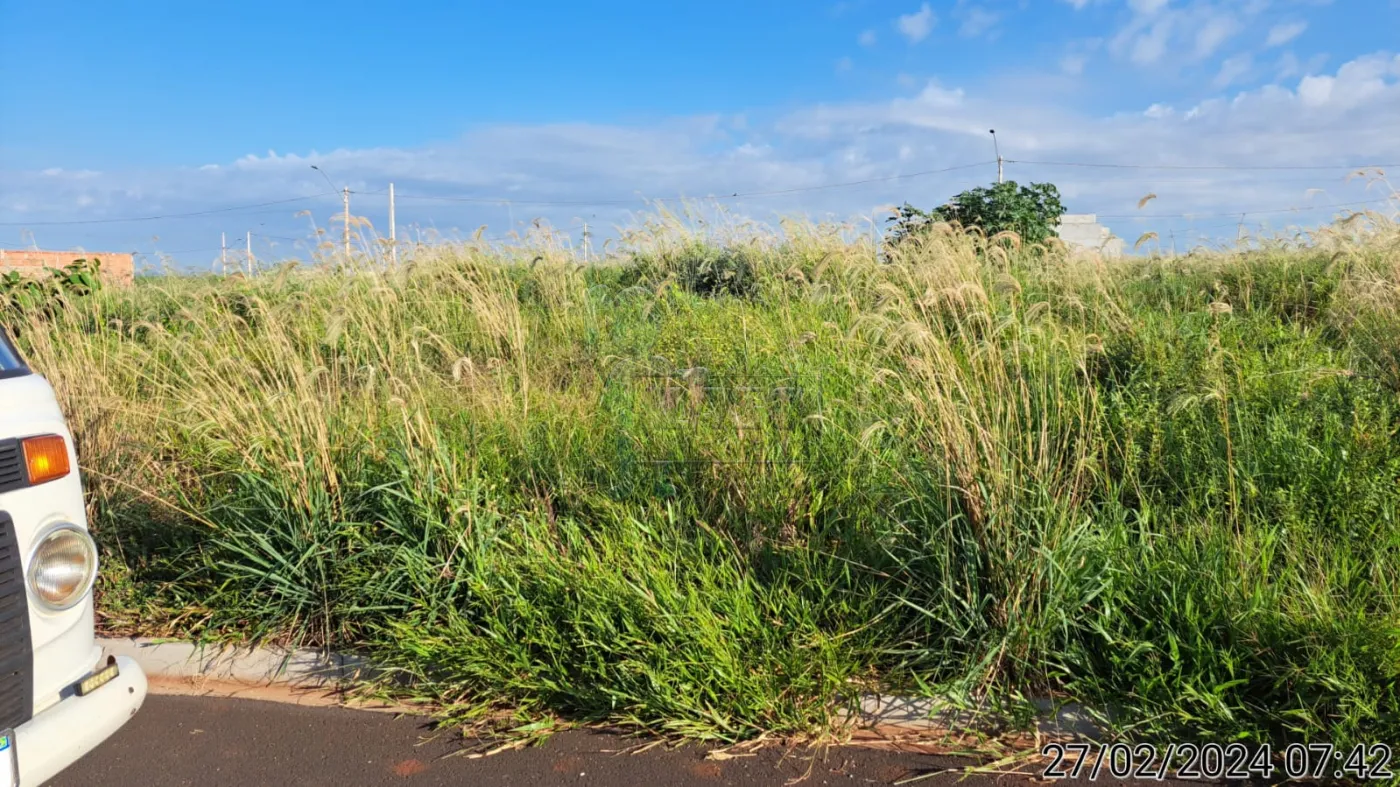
(1032, 212)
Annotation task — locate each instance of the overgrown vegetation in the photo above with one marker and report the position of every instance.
(20, 294)
(1032, 213)
(713, 485)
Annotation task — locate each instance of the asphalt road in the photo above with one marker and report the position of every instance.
(210, 742)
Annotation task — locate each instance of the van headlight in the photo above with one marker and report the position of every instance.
(62, 567)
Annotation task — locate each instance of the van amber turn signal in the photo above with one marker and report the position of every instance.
(46, 458)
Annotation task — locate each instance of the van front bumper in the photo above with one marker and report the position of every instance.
(64, 732)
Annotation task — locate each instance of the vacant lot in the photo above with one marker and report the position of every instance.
(716, 484)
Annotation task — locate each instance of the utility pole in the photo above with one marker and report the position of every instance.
(393, 233)
(249, 238)
(874, 241)
(345, 199)
(345, 194)
(223, 252)
(585, 240)
(997, 147)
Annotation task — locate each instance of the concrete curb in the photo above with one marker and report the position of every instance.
(924, 715)
(188, 668)
(302, 668)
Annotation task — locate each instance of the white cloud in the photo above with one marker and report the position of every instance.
(917, 26)
(1358, 84)
(935, 95)
(1190, 33)
(1338, 118)
(1073, 64)
(1078, 4)
(976, 21)
(1147, 7)
(1289, 66)
(843, 65)
(847, 6)
(1233, 69)
(1216, 30)
(1316, 91)
(867, 38)
(70, 174)
(1285, 32)
(1149, 47)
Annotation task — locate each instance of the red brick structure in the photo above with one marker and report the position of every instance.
(117, 269)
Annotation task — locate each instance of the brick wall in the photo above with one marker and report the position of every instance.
(117, 269)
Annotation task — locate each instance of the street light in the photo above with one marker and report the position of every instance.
(345, 198)
(997, 148)
(327, 177)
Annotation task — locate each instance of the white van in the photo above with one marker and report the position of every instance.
(60, 695)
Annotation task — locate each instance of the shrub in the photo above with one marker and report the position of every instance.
(1032, 212)
(29, 294)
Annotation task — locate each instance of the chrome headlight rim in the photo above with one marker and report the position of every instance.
(32, 574)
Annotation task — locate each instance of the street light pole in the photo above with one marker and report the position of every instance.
(997, 148)
(393, 232)
(345, 193)
(345, 199)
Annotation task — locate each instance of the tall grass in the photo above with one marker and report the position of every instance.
(721, 483)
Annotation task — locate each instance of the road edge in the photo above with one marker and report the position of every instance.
(306, 676)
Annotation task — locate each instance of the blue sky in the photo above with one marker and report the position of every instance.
(124, 109)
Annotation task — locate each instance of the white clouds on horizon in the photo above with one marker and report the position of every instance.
(1322, 119)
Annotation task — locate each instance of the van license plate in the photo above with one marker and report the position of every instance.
(9, 766)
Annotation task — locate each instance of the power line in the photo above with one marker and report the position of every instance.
(505, 201)
(209, 212)
(1241, 212)
(861, 182)
(735, 195)
(740, 195)
(159, 252)
(1200, 166)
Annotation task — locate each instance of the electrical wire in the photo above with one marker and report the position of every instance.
(1302, 209)
(776, 192)
(1231, 167)
(861, 182)
(167, 252)
(735, 195)
(209, 212)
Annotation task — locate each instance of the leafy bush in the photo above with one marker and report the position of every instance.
(29, 294)
(1032, 212)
